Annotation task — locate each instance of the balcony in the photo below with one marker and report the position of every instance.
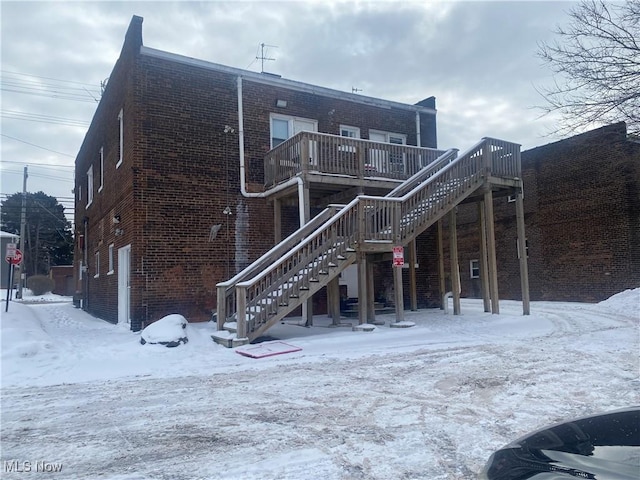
(334, 160)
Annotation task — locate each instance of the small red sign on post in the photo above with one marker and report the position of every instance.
(16, 259)
(398, 256)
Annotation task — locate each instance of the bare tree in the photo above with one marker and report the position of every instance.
(596, 62)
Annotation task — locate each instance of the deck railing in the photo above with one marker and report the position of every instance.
(226, 291)
(368, 223)
(332, 154)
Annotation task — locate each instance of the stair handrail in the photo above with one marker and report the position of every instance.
(402, 218)
(353, 208)
(296, 260)
(226, 290)
(447, 157)
(474, 165)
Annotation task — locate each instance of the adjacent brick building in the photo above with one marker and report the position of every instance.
(160, 213)
(582, 215)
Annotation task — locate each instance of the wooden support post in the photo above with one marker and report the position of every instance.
(522, 250)
(241, 310)
(397, 271)
(453, 258)
(333, 300)
(413, 284)
(221, 308)
(399, 294)
(371, 309)
(484, 265)
(491, 252)
(362, 287)
(307, 307)
(441, 283)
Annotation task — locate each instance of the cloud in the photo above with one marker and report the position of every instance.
(477, 58)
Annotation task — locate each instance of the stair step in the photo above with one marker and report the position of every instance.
(228, 339)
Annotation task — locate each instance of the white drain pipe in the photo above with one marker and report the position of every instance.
(243, 186)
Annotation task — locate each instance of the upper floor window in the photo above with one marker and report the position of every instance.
(120, 138)
(90, 185)
(284, 127)
(387, 137)
(101, 158)
(349, 132)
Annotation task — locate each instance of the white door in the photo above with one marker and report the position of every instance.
(124, 284)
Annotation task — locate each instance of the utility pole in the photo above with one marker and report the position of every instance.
(23, 224)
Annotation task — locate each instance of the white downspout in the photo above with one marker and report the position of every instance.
(243, 186)
(418, 136)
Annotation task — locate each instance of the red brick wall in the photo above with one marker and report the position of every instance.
(180, 172)
(582, 215)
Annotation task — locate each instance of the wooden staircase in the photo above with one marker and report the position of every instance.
(293, 271)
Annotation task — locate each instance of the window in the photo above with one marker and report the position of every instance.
(348, 132)
(97, 258)
(511, 198)
(284, 127)
(121, 138)
(388, 160)
(474, 268)
(110, 272)
(279, 131)
(101, 158)
(90, 185)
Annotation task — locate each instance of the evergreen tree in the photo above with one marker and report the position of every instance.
(49, 237)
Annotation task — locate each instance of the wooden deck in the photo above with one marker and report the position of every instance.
(337, 168)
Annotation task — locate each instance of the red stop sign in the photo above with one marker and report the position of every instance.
(16, 259)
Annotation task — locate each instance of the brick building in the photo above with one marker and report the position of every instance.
(175, 191)
(582, 216)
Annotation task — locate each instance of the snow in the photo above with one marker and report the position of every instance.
(168, 331)
(428, 402)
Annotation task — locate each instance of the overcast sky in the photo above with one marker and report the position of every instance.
(477, 58)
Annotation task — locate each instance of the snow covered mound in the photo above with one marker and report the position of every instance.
(625, 303)
(170, 331)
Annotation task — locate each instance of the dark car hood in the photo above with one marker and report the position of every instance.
(598, 447)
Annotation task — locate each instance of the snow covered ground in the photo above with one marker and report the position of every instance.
(428, 402)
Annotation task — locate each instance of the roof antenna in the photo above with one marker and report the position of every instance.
(355, 90)
(262, 56)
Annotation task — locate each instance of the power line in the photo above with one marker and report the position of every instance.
(44, 165)
(45, 78)
(35, 117)
(33, 85)
(39, 175)
(37, 146)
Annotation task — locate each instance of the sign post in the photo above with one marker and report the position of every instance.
(13, 257)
